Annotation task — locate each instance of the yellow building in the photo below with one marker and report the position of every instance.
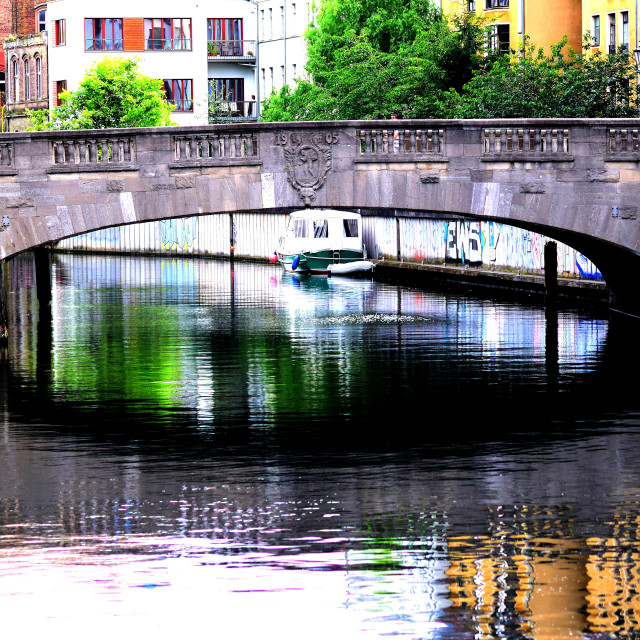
(612, 23)
(544, 21)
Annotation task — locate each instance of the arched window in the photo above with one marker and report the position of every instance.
(15, 72)
(27, 79)
(38, 77)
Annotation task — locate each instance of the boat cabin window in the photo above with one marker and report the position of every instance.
(350, 228)
(300, 228)
(320, 228)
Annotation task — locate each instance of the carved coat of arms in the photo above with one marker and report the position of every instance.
(307, 161)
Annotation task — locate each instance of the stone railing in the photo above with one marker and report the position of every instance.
(623, 141)
(101, 153)
(525, 142)
(400, 144)
(216, 148)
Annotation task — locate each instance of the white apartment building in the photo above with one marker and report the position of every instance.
(282, 58)
(194, 47)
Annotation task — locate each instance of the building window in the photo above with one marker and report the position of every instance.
(496, 4)
(227, 89)
(180, 93)
(283, 24)
(2, 82)
(61, 32)
(15, 72)
(167, 34)
(262, 24)
(293, 17)
(224, 36)
(27, 79)
(499, 38)
(103, 34)
(612, 33)
(294, 69)
(61, 86)
(271, 78)
(471, 5)
(38, 77)
(41, 20)
(624, 36)
(270, 24)
(595, 33)
(263, 90)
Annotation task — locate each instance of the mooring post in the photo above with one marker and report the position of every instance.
(43, 275)
(4, 290)
(551, 272)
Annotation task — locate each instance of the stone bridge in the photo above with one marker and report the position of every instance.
(577, 181)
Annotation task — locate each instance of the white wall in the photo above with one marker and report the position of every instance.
(70, 61)
(282, 59)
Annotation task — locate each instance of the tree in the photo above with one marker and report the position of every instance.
(530, 84)
(374, 58)
(112, 94)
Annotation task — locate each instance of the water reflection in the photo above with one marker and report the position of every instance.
(244, 451)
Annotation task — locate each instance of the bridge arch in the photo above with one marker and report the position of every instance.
(574, 180)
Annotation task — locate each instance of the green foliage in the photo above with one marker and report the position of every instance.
(374, 58)
(530, 84)
(112, 94)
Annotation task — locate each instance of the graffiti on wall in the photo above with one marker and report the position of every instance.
(178, 234)
(476, 243)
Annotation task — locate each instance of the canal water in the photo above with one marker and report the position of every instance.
(194, 449)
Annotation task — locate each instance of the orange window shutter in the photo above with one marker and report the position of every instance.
(133, 34)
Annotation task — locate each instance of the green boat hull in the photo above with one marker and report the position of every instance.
(318, 261)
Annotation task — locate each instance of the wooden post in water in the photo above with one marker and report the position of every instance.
(551, 272)
(43, 275)
(4, 290)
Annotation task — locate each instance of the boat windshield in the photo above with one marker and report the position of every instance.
(350, 227)
(300, 228)
(320, 229)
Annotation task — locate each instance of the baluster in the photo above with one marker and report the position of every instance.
(182, 148)
(549, 141)
(537, 141)
(226, 146)
(82, 151)
(515, 140)
(438, 138)
(5, 155)
(120, 151)
(367, 141)
(503, 141)
(238, 151)
(487, 141)
(104, 148)
(634, 144)
(560, 148)
(126, 150)
(379, 147)
(618, 140)
(70, 152)
(401, 136)
(412, 141)
(423, 141)
(526, 140)
(250, 145)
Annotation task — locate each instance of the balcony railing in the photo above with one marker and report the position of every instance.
(236, 110)
(225, 49)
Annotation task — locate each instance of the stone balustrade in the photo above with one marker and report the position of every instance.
(97, 153)
(197, 148)
(526, 141)
(400, 142)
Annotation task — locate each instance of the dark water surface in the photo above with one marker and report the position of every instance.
(191, 450)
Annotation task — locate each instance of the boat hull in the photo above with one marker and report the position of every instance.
(318, 262)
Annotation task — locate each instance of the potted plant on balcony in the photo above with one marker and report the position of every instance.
(211, 49)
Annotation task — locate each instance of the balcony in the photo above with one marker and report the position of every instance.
(225, 50)
(228, 110)
(496, 4)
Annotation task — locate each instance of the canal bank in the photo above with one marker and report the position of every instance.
(510, 284)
